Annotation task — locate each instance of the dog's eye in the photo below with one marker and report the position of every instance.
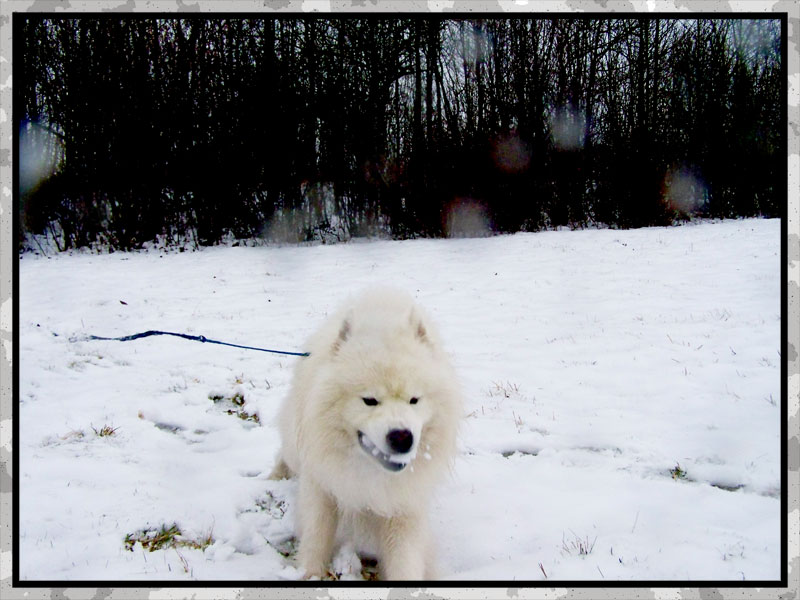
(370, 401)
(414, 400)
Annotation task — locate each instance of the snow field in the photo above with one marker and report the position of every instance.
(622, 403)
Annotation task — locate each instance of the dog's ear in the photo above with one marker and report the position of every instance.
(418, 327)
(344, 333)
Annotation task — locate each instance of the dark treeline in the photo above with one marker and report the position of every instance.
(319, 128)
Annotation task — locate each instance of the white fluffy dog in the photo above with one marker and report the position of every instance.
(368, 428)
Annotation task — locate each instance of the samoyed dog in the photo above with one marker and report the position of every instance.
(368, 428)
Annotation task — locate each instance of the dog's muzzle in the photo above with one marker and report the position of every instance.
(389, 462)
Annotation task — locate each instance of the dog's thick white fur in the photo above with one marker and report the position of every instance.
(368, 428)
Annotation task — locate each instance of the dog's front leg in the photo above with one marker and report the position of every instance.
(404, 548)
(318, 520)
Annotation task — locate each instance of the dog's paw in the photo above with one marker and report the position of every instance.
(311, 563)
(280, 471)
(316, 574)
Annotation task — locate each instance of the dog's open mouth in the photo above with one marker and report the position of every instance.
(387, 461)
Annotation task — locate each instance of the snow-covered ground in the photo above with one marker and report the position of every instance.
(622, 393)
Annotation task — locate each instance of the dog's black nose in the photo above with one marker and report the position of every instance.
(400, 440)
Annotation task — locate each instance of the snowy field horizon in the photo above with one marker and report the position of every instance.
(622, 393)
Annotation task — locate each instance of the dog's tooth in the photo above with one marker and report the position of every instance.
(427, 456)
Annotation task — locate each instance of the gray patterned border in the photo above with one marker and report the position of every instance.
(461, 6)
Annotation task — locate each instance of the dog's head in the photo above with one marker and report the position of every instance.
(390, 382)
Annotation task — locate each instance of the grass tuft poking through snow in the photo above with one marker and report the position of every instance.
(577, 545)
(105, 431)
(165, 537)
(677, 472)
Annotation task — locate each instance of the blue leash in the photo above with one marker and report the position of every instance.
(194, 338)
